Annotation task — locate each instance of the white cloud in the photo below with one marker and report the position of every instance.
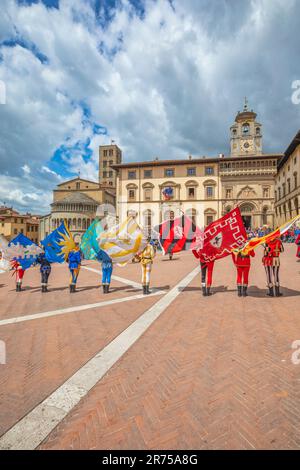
(167, 85)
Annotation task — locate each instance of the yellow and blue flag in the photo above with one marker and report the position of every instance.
(58, 244)
(122, 242)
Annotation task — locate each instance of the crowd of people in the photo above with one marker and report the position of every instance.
(289, 237)
(241, 260)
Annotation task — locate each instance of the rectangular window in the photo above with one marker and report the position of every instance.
(209, 170)
(104, 163)
(209, 219)
(228, 193)
(209, 191)
(111, 162)
(148, 194)
(104, 174)
(131, 175)
(191, 172)
(266, 192)
(110, 174)
(169, 172)
(131, 194)
(191, 193)
(111, 152)
(105, 153)
(147, 173)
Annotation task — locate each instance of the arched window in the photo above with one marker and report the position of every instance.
(74, 223)
(246, 128)
(79, 223)
(84, 224)
(257, 130)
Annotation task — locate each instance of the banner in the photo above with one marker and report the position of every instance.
(22, 250)
(123, 241)
(255, 242)
(221, 237)
(89, 245)
(58, 244)
(178, 234)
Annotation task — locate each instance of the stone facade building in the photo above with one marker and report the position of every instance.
(12, 223)
(77, 200)
(206, 188)
(287, 183)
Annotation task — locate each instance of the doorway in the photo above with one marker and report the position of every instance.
(247, 221)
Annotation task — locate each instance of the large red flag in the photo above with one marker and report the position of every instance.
(178, 234)
(221, 237)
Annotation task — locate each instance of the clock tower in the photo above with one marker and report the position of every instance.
(245, 134)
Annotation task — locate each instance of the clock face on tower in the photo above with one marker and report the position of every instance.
(247, 146)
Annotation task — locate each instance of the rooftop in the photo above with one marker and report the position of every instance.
(76, 198)
(192, 161)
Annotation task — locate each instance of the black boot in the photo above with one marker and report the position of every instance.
(104, 288)
(17, 287)
(107, 288)
(43, 288)
(46, 288)
(277, 292)
(245, 291)
(148, 291)
(74, 288)
(71, 288)
(271, 292)
(239, 291)
(208, 291)
(145, 290)
(204, 291)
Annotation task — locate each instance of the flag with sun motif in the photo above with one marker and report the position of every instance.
(58, 244)
(221, 237)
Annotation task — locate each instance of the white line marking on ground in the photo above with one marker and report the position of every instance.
(30, 431)
(116, 278)
(78, 308)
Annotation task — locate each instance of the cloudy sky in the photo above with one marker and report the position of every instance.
(160, 77)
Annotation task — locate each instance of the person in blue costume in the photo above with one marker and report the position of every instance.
(107, 269)
(74, 260)
(45, 270)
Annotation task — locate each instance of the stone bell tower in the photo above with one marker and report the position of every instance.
(246, 134)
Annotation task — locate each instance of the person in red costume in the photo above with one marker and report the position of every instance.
(297, 241)
(271, 263)
(242, 263)
(19, 272)
(206, 274)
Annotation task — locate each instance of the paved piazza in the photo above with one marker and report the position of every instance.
(172, 370)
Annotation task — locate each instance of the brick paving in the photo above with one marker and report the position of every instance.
(43, 353)
(210, 373)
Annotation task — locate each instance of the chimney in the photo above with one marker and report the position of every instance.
(221, 155)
